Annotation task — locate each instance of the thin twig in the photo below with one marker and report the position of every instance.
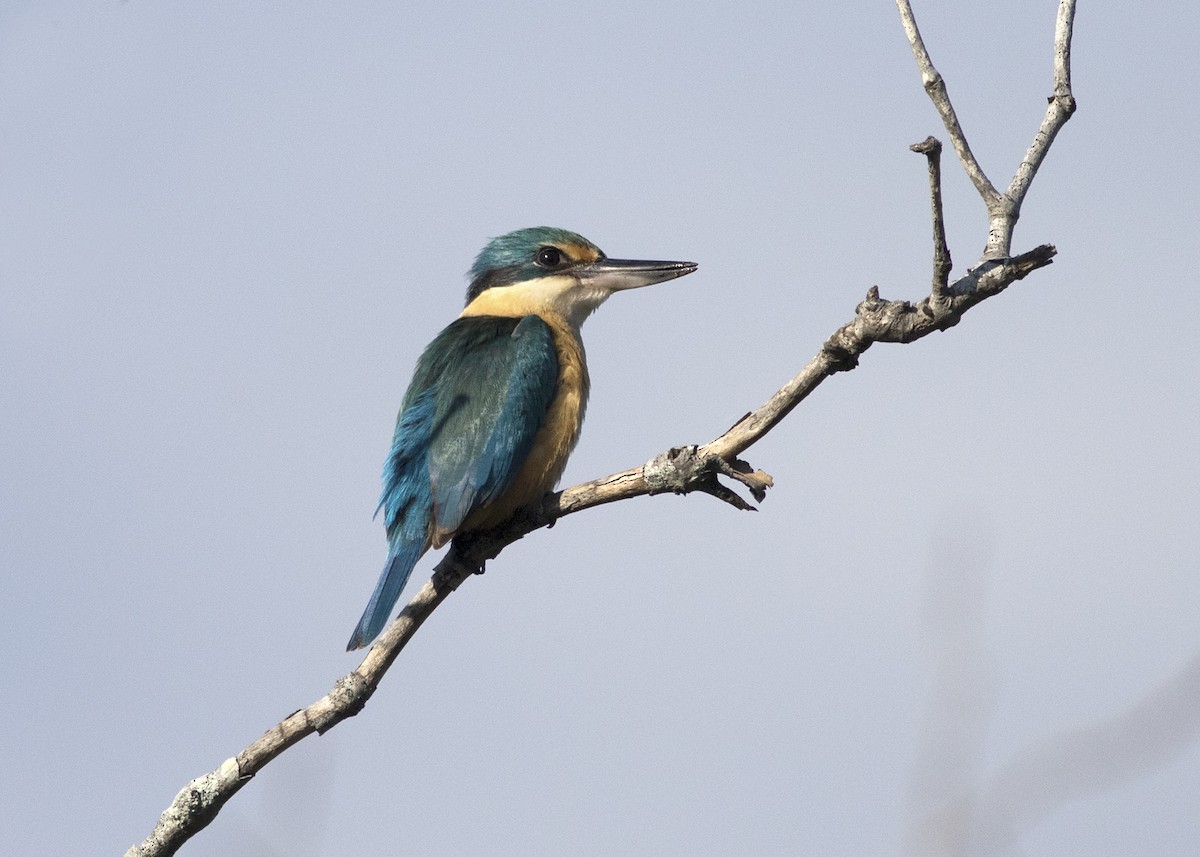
(1061, 106)
(931, 148)
(935, 86)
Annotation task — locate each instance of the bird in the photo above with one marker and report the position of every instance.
(497, 399)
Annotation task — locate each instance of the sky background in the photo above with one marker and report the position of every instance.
(965, 619)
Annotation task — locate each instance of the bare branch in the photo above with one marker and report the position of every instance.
(935, 86)
(1061, 106)
(198, 803)
(931, 148)
(1003, 209)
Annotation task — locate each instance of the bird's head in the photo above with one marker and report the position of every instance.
(546, 270)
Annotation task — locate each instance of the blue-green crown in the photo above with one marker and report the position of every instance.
(510, 258)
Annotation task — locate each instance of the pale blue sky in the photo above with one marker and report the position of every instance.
(226, 232)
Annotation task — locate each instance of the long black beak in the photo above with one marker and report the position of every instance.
(618, 274)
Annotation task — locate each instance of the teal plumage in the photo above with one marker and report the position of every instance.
(475, 403)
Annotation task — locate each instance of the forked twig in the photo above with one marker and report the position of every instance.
(1004, 209)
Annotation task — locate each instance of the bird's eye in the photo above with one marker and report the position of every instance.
(548, 257)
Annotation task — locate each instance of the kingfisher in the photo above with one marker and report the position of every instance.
(497, 400)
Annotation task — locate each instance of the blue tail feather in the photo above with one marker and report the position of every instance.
(387, 592)
(406, 504)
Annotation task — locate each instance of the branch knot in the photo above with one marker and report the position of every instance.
(682, 469)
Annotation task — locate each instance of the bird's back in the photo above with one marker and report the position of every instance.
(555, 438)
